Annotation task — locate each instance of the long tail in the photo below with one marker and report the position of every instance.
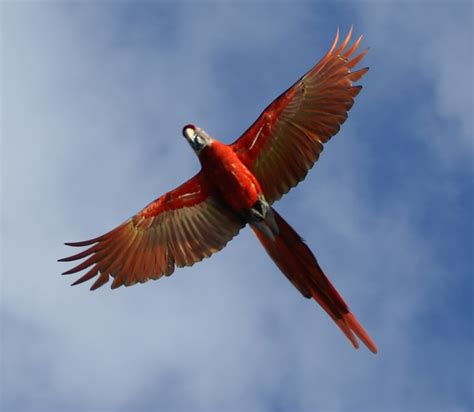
(297, 262)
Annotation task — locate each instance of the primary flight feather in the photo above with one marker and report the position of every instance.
(237, 185)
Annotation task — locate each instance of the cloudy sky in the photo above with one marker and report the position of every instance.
(93, 99)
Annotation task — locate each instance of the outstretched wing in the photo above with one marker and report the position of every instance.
(178, 229)
(286, 140)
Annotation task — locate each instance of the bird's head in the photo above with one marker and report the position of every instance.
(196, 137)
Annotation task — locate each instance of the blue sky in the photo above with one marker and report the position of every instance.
(94, 96)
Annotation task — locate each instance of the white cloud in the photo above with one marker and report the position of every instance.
(426, 66)
(95, 104)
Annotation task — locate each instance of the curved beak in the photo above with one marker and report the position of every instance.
(190, 134)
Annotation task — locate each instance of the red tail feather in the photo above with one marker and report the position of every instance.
(297, 262)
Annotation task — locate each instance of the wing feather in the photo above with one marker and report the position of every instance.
(288, 137)
(179, 228)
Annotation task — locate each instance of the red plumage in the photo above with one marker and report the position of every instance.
(236, 185)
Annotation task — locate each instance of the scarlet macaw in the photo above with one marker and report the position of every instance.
(236, 185)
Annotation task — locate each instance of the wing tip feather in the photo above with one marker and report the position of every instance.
(83, 243)
(344, 42)
(101, 280)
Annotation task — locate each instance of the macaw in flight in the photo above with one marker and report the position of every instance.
(237, 185)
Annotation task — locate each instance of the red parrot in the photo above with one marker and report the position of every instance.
(236, 185)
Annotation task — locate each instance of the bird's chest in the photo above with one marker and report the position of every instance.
(236, 184)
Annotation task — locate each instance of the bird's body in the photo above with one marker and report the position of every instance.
(232, 179)
(236, 186)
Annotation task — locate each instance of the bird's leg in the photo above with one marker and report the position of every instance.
(261, 215)
(259, 210)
